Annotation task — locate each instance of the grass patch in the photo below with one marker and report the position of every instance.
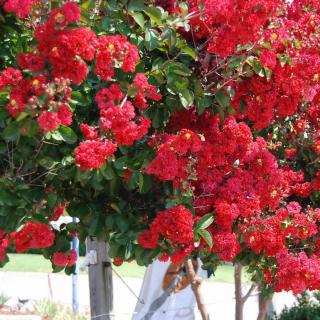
(37, 263)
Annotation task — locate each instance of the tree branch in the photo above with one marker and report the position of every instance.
(246, 297)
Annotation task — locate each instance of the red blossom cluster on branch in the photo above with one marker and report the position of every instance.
(62, 259)
(175, 225)
(22, 8)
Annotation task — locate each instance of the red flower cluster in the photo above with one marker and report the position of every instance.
(69, 13)
(297, 272)
(89, 132)
(316, 182)
(33, 235)
(62, 259)
(31, 61)
(4, 244)
(10, 77)
(174, 155)
(22, 8)
(230, 23)
(175, 225)
(285, 229)
(120, 118)
(115, 51)
(144, 89)
(290, 55)
(226, 170)
(66, 49)
(225, 245)
(92, 154)
(268, 100)
(57, 213)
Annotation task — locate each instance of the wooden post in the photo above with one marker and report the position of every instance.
(100, 282)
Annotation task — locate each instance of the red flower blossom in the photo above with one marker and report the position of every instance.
(89, 132)
(118, 261)
(57, 213)
(62, 259)
(175, 225)
(268, 59)
(33, 235)
(70, 12)
(22, 8)
(145, 89)
(49, 121)
(31, 61)
(115, 50)
(10, 77)
(65, 114)
(92, 154)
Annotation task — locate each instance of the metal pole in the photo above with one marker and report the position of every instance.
(75, 276)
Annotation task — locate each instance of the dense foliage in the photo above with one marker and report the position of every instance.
(307, 307)
(169, 128)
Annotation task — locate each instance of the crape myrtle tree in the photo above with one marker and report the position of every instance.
(171, 129)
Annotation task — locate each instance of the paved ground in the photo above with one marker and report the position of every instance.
(219, 296)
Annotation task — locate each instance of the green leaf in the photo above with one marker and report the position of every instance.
(68, 135)
(186, 98)
(235, 62)
(155, 14)
(204, 222)
(139, 19)
(189, 51)
(223, 99)
(140, 182)
(106, 23)
(123, 28)
(136, 5)
(151, 39)
(48, 163)
(107, 171)
(78, 98)
(5, 211)
(22, 116)
(178, 68)
(257, 67)
(207, 237)
(11, 132)
(4, 114)
(122, 223)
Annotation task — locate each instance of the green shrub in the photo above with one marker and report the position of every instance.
(307, 307)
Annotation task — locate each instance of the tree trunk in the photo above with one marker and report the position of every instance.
(238, 291)
(100, 282)
(196, 288)
(264, 306)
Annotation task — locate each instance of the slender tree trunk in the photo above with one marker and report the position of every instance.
(263, 306)
(238, 291)
(240, 298)
(196, 288)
